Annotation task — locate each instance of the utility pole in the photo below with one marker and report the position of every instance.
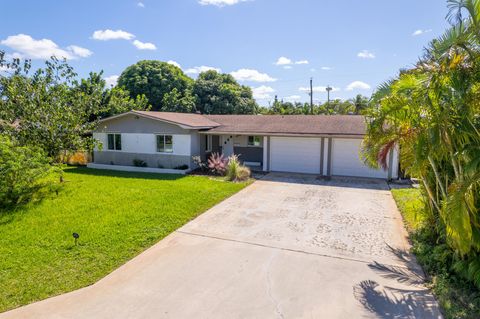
(311, 95)
(328, 88)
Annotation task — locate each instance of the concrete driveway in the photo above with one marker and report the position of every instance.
(288, 246)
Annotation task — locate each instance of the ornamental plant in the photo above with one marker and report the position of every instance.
(217, 164)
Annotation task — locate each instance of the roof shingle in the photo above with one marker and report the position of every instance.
(290, 124)
(186, 119)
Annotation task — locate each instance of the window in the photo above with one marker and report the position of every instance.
(115, 142)
(164, 143)
(208, 143)
(254, 141)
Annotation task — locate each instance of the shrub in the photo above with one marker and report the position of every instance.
(197, 160)
(25, 173)
(182, 167)
(139, 163)
(235, 171)
(217, 164)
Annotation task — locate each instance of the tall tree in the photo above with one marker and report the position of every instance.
(105, 101)
(218, 93)
(156, 80)
(361, 103)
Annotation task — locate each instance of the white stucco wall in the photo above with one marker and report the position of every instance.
(146, 143)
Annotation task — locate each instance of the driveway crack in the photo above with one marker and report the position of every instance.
(274, 301)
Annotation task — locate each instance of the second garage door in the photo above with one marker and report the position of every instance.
(295, 154)
(346, 160)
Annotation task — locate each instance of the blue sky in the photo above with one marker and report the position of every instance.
(274, 46)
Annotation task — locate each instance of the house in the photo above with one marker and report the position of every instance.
(325, 145)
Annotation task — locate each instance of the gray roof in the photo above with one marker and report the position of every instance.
(290, 124)
(263, 124)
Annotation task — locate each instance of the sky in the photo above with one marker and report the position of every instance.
(273, 46)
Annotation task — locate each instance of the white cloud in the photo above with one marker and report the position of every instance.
(174, 63)
(251, 75)
(262, 92)
(326, 68)
(27, 47)
(292, 98)
(141, 5)
(318, 89)
(144, 45)
(301, 62)
(358, 85)
(420, 32)
(219, 3)
(111, 80)
(105, 35)
(287, 61)
(283, 61)
(365, 54)
(79, 51)
(200, 69)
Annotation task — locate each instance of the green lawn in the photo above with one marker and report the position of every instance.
(458, 298)
(117, 214)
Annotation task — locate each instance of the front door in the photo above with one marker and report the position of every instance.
(227, 145)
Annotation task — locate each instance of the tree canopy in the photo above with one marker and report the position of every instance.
(218, 93)
(52, 109)
(336, 106)
(164, 85)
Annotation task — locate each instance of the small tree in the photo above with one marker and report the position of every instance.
(25, 172)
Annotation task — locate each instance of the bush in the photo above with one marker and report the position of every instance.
(139, 163)
(217, 164)
(182, 167)
(25, 173)
(197, 160)
(449, 275)
(235, 171)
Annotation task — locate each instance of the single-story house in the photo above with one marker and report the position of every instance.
(326, 145)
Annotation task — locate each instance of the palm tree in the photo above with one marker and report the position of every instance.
(360, 102)
(433, 113)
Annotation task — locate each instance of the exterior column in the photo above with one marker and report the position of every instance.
(329, 157)
(266, 152)
(322, 154)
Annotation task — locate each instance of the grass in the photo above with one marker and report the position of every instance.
(457, 297)
(116, 214)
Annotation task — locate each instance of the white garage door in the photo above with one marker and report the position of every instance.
(346, 160)
(295, 154)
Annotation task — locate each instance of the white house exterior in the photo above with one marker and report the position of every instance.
(325, 145)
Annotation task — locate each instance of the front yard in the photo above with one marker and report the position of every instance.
(116, 214)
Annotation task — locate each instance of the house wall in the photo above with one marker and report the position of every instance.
(147, 143)
(139, 142)
(152, 160)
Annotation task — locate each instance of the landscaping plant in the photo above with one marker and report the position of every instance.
(236, 171)
(25, 173)
(217, 164)
(139, 163)
(432, 113)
